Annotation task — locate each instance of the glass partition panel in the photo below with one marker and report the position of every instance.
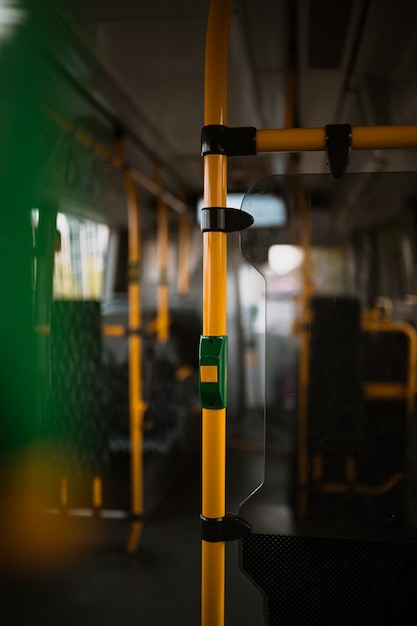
(334, 521)
(338, 352)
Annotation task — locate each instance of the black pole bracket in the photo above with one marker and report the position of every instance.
(338, 144)
(227, 528)
(225, 220)
(219, 139)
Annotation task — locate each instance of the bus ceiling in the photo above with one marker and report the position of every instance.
(291, 64)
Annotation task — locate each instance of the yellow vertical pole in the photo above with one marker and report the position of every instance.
(184, 251)
(97, 492)
(162, 323)
(214, 312)
(136, 404)
(63, 492)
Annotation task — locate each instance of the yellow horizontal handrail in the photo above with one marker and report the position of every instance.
(116, 330)
(409, 386)
(107, 330)
(310, 139)
(385, 391)
(363, 488)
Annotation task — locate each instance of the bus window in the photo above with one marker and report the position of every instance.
(285, 268)
(396, 247)
(80, 258)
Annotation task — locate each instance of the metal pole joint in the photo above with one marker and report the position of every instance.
(227, 528)
(220, 139)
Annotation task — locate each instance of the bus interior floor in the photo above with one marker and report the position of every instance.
(159, 584)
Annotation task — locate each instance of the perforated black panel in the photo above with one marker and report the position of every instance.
(163, 411)
(75, 407)
(320, 581)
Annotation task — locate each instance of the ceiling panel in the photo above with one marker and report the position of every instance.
(151, 57)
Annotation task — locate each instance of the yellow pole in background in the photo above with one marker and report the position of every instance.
(184, 253)
(162, 321)
(137, 406)
(63, 492)
(214, 312)
(97, 492)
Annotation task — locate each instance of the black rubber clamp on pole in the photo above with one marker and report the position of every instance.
(223, 219)
(338, 145)
(219, 139)
(227, 528)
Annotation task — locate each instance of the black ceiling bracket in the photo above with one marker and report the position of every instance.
(219, 139)
(227, 528)
(223, 219)
(338, 145)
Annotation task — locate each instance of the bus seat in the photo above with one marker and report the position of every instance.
(385, 359)
(347, 561)
(74, 413)
(334, 391)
